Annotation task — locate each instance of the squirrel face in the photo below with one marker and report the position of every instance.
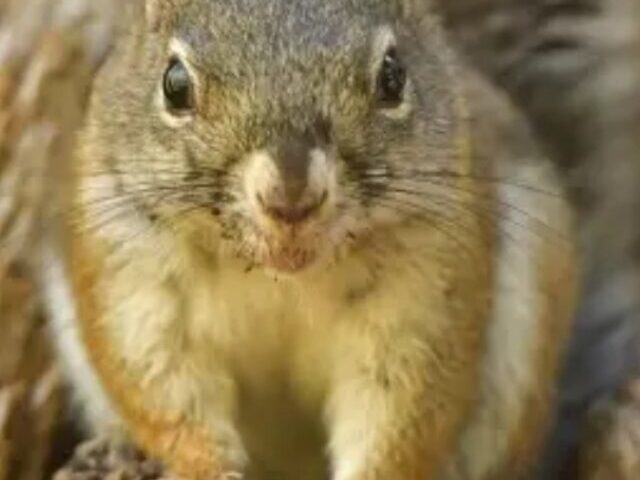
(291, 129)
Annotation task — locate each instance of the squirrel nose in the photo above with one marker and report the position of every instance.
(284, 209)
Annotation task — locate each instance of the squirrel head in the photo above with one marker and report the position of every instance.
(286, 129)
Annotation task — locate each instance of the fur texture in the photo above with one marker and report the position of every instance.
(408, 330)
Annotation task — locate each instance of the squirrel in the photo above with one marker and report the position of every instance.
(306, 242)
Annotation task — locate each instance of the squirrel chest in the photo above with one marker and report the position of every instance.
(265, 360)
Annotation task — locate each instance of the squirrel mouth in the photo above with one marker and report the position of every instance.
(287, 252)
(288, 259)
(290, 248)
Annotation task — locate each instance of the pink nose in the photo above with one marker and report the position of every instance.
(282, 209)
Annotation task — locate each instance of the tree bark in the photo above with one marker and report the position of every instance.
(49, 51)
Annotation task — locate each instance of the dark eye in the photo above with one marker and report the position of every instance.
(391, 79)
(178, 90)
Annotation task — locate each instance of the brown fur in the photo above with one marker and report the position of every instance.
(187, 450)
(383, 343)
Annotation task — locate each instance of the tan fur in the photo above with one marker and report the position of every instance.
(164, 434)
(416, 350)
(525, 440)
(326, 344)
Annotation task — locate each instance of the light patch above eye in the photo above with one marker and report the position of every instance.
(181, 49)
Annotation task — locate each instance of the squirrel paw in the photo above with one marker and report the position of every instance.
(109, 459)
(223, 476)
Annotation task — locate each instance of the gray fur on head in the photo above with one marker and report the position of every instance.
(263, 70)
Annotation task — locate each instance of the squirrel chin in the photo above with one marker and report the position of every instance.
(289, 249)
(288, 259)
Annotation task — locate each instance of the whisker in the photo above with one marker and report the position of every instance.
(182, 212)
(549, 229)
(488, 217)
(136, 169)
(420, 174)
(433, 218)
(120, 211)
(463, 208)
(155, 193)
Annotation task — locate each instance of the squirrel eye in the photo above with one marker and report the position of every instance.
(391, 79)
(177, 87)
